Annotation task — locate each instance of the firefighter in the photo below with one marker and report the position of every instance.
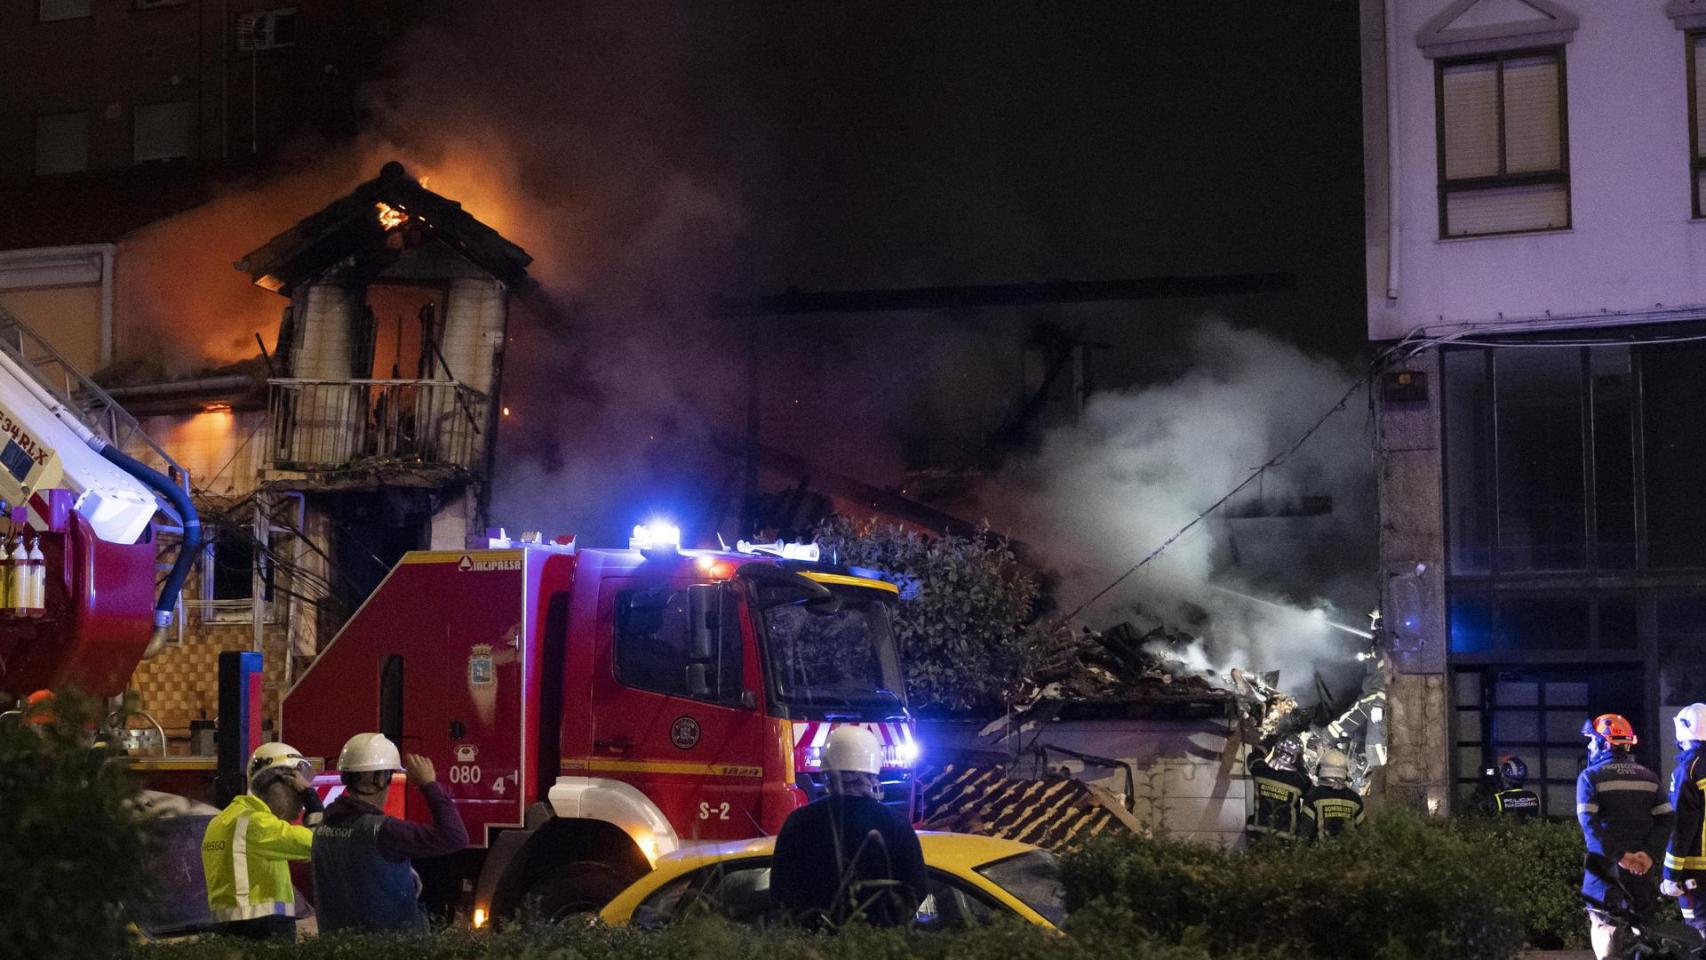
(246, 849)
(1330, 808)
(364, 876)
(1624, 817)
(848, 855)
(1279, 783)
(1512, 799)
(1685, 856)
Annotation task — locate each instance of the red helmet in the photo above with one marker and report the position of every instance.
(1611, 729)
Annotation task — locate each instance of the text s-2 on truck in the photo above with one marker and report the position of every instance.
(593, 709)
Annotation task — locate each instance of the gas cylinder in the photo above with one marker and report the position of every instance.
(37, 579)
(17, 579)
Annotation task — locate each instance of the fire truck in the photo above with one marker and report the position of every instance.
(590, 710)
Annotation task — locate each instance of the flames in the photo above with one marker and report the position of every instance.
(390, 218)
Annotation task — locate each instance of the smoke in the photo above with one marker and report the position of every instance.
(1099, 495)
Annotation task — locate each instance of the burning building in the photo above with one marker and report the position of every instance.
(367, 431)
(1535, 183)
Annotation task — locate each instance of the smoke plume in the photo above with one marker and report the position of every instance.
(1139, 465)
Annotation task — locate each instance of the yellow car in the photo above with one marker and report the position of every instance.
(973, 880)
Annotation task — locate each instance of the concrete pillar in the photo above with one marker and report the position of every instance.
(325, 422)
(1412, 557)
(473, 330)
(475, 311)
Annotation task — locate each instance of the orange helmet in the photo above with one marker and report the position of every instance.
(1612, 730)
(38, 708)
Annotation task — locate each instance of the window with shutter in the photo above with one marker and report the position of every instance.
(163, 131)
(1503, 144)
(1697, 119)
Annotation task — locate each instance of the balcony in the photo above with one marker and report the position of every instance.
(429, 427)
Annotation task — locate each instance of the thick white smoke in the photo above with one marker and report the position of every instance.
(1139, 465)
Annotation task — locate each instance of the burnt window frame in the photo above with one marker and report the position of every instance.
(1561, 176)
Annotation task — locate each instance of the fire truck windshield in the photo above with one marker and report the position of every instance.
(831, 654)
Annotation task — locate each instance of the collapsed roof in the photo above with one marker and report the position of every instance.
(358, 226)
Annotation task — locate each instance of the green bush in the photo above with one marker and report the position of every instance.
(1536, 868)
(699, 940)
(70, 847)
(965, 621)
(1401, 887)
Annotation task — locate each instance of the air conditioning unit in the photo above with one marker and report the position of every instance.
(266, 30)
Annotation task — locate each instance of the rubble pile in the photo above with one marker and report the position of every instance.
(1123, 664)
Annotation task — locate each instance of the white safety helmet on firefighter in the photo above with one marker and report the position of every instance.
(1334, 765)
(369, 752)
(852, 749)
(273, 760)
(1691, 723)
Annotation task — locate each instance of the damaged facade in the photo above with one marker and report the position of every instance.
(367, 431)
(1535, 192)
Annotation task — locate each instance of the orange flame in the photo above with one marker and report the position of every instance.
(391, 217)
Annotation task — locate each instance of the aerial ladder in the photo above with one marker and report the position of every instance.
(79, 605)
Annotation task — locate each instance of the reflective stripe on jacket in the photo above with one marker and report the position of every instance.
(1685, 856)
(1279, 799)
(1331, 811)
(1622, 810)
(245, 855)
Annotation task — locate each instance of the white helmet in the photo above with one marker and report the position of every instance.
(852, 749)
(1334, 765)
(1691, 723)
(369, 751)
(272, 760)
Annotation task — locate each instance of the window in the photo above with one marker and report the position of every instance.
(48, 10)
(1503, 144)
(163, 131)
(682, 641)
(1672, 395)
(62, 143)
(1541, 505)
(1540, 465)
(228, 571)
(1697, 119)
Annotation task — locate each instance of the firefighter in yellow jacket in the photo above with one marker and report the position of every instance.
(247, 849)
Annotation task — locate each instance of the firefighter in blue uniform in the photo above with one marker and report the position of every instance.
(1685, 856)
(1512, 799)
(1625, 817)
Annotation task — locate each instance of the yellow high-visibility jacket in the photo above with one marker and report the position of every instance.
(246, 854)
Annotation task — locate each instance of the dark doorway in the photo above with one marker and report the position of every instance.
(1536, 713)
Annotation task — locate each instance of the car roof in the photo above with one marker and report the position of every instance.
(962, 850)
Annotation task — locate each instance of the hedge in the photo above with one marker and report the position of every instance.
(698, 940)
(1403, 886)
(70, 844)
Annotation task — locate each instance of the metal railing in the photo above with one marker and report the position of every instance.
(335, 424)
(82, 397)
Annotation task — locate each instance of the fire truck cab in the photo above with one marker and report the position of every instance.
(590, 710)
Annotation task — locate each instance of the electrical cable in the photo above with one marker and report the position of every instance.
(1406, 347)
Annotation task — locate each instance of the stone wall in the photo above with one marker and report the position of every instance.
(1412, 557)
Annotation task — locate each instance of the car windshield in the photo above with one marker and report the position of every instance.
(837, 653)
(1034, 878)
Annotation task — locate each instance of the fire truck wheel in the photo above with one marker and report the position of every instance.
(576, 888)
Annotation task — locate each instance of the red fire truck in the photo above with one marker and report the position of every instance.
(593, 709)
